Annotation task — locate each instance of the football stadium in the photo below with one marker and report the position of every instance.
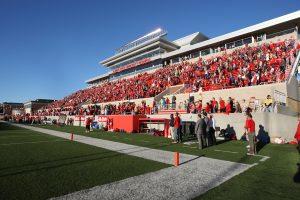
(190, 118)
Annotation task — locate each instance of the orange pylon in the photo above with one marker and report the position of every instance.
(176, 159)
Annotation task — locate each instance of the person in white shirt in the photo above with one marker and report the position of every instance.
(211, 126)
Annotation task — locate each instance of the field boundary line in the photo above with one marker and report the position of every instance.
(226, 151)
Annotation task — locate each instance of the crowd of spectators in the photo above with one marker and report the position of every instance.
(246, 66)
(108, 109)
(218, 106)
(229, 106)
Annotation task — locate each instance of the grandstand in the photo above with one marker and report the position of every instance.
(244, 65)
(76, 147)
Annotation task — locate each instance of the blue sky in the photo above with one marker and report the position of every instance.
(48, 48)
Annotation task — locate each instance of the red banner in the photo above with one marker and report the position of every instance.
(102, 119)
(132, 65)
(79, 118)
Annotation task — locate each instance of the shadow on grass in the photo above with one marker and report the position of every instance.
(297, 175)
(262, 137)
(192, 159)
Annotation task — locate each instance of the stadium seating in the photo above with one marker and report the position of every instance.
(247, 66)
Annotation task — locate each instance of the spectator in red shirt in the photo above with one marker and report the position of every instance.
(177, 128)
(228, 107)
(199, 106)
(222, 105)
(208, 108)
(297, 136)
(88, 125)
(168, 102)
(250, 131)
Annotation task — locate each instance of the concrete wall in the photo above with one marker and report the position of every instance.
(293, 94)
(277, 125)
(259, 92)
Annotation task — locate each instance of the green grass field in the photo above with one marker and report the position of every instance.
(38, 166)
(271, 179)
(166, 144)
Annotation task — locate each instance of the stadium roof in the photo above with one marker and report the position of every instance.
(190, 39)
(234, 34)
(150, 44)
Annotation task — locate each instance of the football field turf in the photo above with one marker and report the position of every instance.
(38, 166)
(276, 175)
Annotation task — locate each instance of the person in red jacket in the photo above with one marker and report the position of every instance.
(250, 131)
(88, 125)
(228, 107)
(177, 128)
(222, 105)
(297, 135)
(208, 108)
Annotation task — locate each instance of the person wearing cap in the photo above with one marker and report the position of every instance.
(177, 124)
(250, 131)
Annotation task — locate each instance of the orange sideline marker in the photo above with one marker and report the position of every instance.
(176, 159)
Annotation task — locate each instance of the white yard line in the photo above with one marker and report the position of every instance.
(226, 151)
(264, 158)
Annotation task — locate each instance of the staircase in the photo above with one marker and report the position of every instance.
(168, 91)
(294, 69)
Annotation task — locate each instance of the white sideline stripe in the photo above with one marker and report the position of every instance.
(264, 158)
(226, 151)
(177, 183)
(36, 142)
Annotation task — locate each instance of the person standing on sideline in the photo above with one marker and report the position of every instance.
(211, 130)
(171, 128)
(177, 125)
(200, 131)
(88, 125)
(250, 131)
(297, 136)
(206, 136)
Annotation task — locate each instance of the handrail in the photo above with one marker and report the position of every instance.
(295, 65)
